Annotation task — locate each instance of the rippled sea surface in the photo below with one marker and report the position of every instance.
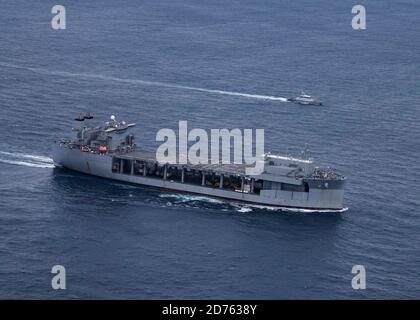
(157, 62)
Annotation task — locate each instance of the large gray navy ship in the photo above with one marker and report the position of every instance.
(110, 151)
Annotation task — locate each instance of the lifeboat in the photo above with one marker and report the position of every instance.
(103, 149)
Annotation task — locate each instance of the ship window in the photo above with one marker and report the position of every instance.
(126, 166)
(193, 177)
(258, 185)
(266, 185)
(139, 167)
(232, 183)
(294, 188)
(174, 174)
(115, 165)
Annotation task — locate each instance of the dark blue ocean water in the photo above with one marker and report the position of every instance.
(119, 241)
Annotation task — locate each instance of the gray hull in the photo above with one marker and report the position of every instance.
(318, 197)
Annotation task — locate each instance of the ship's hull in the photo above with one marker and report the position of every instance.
(101, 166)
(307, 103)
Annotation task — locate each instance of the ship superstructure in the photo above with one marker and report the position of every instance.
(109, 151)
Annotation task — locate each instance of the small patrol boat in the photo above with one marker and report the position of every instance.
(305, 99)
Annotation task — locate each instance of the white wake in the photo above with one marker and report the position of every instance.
(144, 82)
(189, 198)
(251, 207)
(27, 160)
(246, 208)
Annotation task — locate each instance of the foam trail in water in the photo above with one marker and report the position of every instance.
(143, 82)
(245, 208)
(27, 160)
(189, 198)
